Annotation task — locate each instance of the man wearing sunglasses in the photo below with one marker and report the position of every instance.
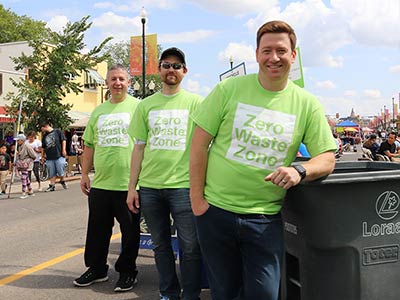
(160, 166)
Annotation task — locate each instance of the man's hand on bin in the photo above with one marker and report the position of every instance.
(284, 177)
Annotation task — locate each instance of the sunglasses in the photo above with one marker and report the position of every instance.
(175, 66)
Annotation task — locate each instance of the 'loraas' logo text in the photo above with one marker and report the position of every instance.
(387, 208)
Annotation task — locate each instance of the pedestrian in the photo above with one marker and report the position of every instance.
(5, 168)
(256, 123)
(75, 152)
(37, 147)
(388, 147)
(54, 153)
(24, 164)
(10, 138)
(160, 165)
(108, 146)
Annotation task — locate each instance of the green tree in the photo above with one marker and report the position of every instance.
(14, 28)
(50, 70)
(119, 53)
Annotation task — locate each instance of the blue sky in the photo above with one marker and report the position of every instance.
(350, 48)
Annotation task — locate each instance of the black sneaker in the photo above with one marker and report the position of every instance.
(64, 185)
(51, 188)
(125, 282)
(90, 277)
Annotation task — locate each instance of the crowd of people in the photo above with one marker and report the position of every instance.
(219, 167)
(22, 155)
(383, 148)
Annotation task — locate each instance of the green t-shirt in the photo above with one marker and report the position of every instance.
(107, 132)
(163, 123)
(256, 131)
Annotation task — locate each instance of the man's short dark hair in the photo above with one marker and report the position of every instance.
(45, 123)
(277, 27)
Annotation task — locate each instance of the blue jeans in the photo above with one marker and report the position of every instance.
(157, 205)
(243, 254)
(56, 167)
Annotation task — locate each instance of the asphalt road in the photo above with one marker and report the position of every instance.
(41, 250)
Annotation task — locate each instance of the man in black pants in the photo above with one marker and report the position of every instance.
(108, 146)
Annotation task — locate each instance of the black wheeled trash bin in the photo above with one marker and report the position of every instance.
(342, 235)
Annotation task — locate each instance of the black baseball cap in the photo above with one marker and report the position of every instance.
(175, 52)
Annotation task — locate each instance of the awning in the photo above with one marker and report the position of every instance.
(80, 123)
(79, 119)
(92, 77)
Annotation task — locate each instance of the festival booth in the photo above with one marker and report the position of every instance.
(348, 128)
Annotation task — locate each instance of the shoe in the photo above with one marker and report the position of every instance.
(31, 194)
(23, 196)
(90, 277)
(165, 298)
(64, 185)
(125, 282)
(51, 188)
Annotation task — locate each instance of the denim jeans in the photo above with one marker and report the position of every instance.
(243, 254)
(157, 205)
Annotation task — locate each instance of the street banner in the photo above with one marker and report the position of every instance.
(296, 70)
(239, 70)
(151, 55)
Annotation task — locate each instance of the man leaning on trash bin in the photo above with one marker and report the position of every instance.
(256, 123)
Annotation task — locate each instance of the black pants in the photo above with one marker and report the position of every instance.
(104, 206)
(35, 171)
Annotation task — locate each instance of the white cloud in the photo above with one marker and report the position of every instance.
(327, 84)
(57, 23)
(350, 93)
(119, 27)
(134, 7)
(394, 69)
(235, 7)
(186, 37)
(195, 87)
(372, 93)
(372, 22)
(239, 53)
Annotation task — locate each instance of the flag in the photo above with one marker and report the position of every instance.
(151, 55)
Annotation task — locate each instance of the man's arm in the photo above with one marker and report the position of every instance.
(64, 148)
(198, 167)
(317, 167)
(132, 200)
(87, 163)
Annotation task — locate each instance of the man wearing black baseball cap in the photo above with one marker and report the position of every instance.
(173, 51)
(163, 132)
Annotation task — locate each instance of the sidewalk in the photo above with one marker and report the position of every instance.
(16, 185)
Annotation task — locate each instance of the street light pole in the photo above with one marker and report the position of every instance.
(393, 120)
(384, 116)
(143, 18)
